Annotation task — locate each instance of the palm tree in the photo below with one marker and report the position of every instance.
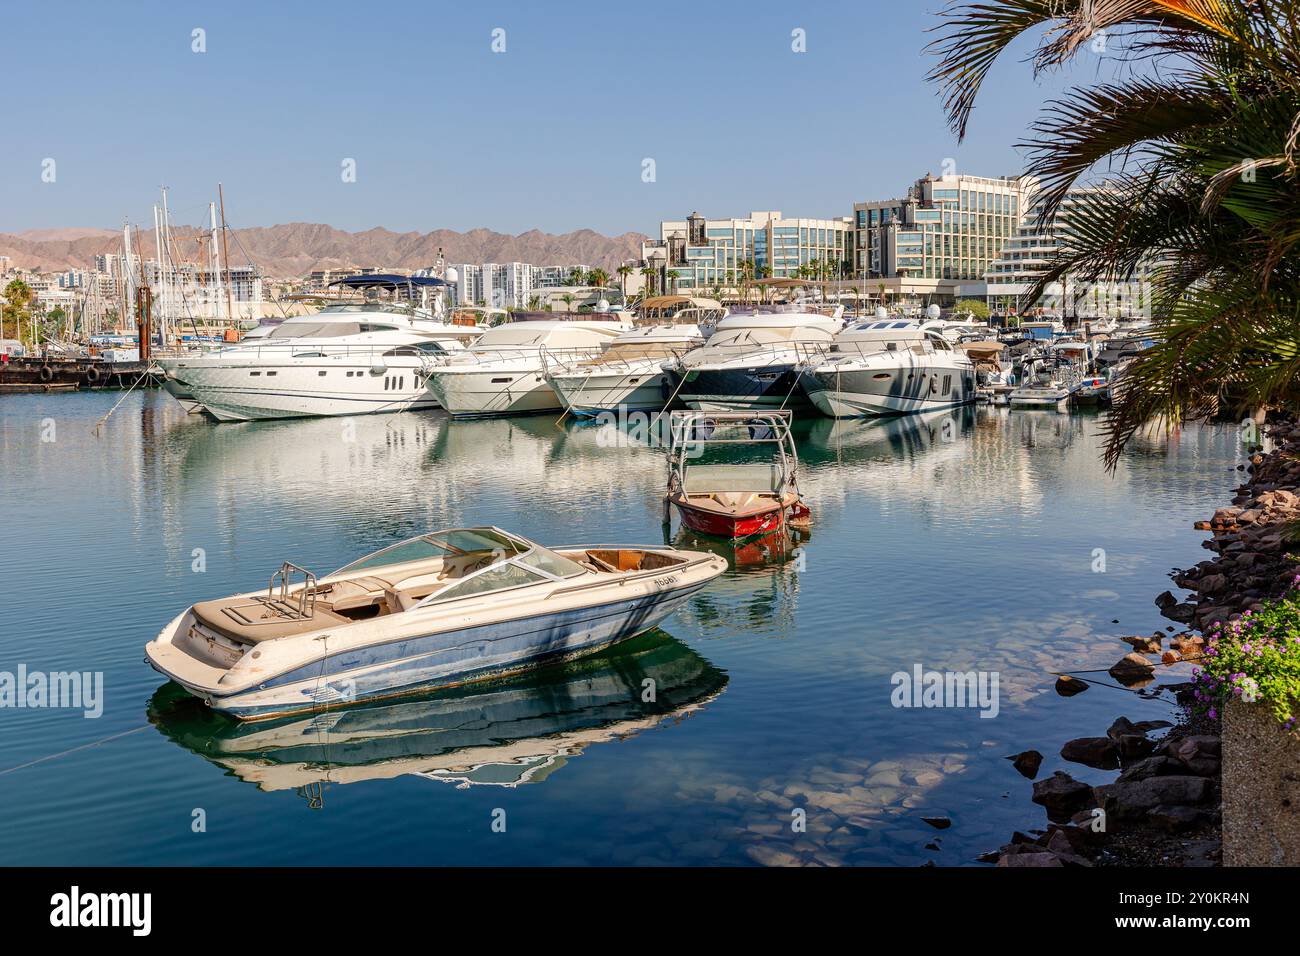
(598, 277)
(18, 296)
(623, 271)
(648, 274)
(1203, 147)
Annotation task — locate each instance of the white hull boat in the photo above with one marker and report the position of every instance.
(438, 610)
(888, 367)
(343, 360)
(627, 376)
(504, 373)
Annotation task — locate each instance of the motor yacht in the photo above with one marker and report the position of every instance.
(504, 372)
(437, 610)
(342, 360)
(888, 367)
(628, 375)
(750, 360)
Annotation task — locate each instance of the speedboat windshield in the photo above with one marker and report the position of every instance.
(490, 545)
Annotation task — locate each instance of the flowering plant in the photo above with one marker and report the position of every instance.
(1256, 658)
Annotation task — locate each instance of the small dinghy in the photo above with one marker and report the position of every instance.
(435, 611)
(733, 474)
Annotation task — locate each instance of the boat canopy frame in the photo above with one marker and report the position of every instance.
(686, 439)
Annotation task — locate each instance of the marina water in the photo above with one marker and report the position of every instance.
(979, 540)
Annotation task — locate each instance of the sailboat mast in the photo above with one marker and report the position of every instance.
(225, 252)
(169, 294)
(215, 262)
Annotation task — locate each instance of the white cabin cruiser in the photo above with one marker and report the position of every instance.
(750, 360)
(888, 367)
(437, 610)
(628, 375)
(347, 359)
(503, 373)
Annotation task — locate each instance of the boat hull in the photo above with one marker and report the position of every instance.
(644, 391)
(415, 665)
(329, 386)
(859, 394)
(740, 389)
(479, 393)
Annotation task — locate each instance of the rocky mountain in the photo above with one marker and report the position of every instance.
(297, 248)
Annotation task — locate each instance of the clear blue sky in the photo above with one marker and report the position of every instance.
(445, 133)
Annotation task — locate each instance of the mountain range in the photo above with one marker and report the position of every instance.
(297, 248)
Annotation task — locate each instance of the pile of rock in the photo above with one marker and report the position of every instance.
(1168, 786)
(1253, 563)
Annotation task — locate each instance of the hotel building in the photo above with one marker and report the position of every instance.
(698, 253)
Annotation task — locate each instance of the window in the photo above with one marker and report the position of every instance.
(494, 579)
(947, 384)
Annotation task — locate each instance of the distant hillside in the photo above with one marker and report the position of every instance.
(296, 248)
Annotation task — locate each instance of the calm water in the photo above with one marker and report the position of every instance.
(961, 542)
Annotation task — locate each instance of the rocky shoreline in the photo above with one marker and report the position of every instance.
(1165, 806)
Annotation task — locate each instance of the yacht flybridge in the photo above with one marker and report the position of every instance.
(436, 610)
(346, 359)
(503, 374)
(888, 367)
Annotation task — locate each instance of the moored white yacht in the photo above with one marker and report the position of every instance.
(503, 373)
(749, 362)
(346, 359)
(627, 376)
(888, 367)
(343, 360)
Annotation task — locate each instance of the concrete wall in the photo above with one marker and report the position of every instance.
(1261, 789)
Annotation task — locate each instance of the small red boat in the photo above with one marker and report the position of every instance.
(737, 496)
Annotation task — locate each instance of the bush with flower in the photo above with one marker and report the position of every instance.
(1254, 659)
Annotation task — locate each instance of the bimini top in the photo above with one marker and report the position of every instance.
(388, 281)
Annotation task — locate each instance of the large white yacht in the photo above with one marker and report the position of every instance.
(503, 373)
(343, 360)
(888, 367)
(347, 359)
(749, 361)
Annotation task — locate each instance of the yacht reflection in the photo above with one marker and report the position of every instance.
(505, 734)
(895, 438)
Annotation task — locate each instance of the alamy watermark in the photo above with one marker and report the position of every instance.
(72, 690)
(950, 689)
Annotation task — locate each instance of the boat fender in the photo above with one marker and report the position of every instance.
(45, 373)
(92, 374)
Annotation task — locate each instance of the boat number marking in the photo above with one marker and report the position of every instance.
(662, 583)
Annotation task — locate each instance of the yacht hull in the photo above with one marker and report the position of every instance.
(306, 389)
(879, 392)
(644, 391)
(739, 389)
(481, 393)
(414, 665)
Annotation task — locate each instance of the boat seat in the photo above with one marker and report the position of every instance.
(399, 601)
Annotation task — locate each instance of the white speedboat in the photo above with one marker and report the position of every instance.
(343, 360)
(503, 373)
(888, 367)
(434, 611)
(182, 392)
(750, 360)
(628, 375)
(1045, 383)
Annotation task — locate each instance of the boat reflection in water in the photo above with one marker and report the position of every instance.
(760, 595)
(504, 734)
